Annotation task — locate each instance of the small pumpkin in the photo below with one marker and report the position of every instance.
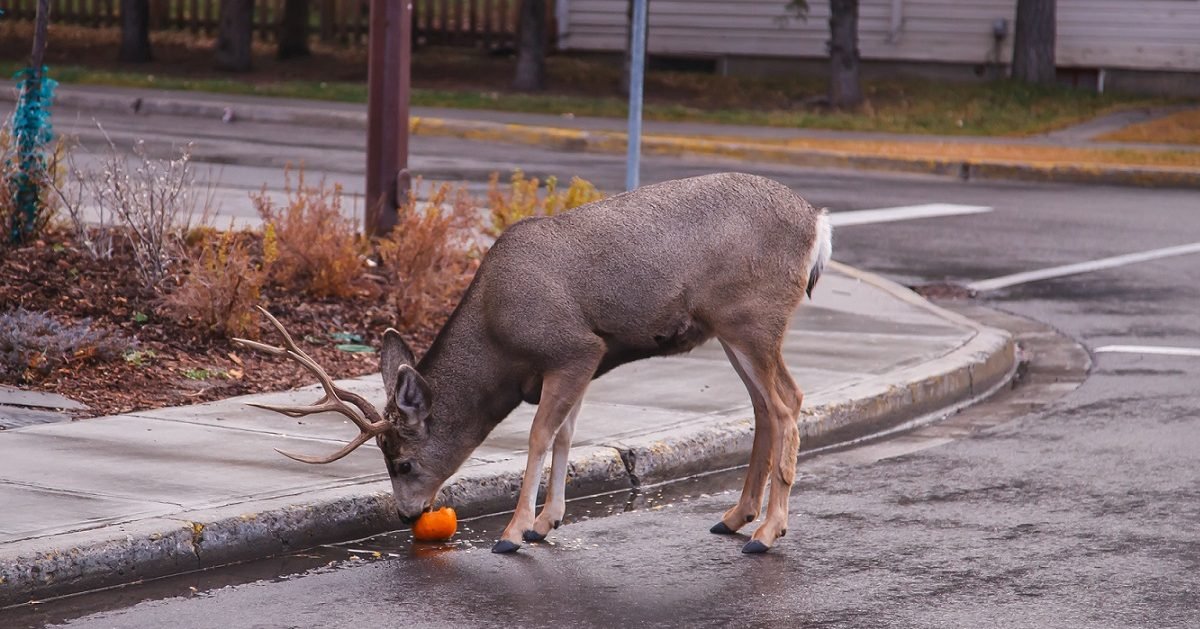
(435, 526)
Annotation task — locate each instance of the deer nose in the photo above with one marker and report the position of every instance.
(406, 519)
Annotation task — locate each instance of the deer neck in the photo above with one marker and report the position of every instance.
(474, 386)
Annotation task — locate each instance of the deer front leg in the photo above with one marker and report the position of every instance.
(561, 394)
(556, 498)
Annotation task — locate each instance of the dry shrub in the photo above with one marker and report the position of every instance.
(319, 252)
(32, 345)
(431, 255)
(152, 202)
(526, 198)
(222, 285)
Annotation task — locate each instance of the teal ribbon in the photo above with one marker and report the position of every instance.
(32, 131)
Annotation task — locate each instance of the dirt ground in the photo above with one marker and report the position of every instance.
(159, 362)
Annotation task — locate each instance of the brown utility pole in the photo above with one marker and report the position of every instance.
(388, 76)
(41, 26)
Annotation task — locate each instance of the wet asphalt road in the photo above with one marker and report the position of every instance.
(1082, 514)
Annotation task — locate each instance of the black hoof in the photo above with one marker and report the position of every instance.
(529, 536)
(720, 529)
(504, 547)
(754, 547)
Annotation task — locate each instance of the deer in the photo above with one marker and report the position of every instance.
(558, 301)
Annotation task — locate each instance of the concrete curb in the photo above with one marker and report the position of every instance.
(96, 558)
(568, 139)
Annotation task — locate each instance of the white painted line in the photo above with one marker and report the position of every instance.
(904, 213)
(1149, 349)
(1082, 267)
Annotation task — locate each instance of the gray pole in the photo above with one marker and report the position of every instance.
(637, 71)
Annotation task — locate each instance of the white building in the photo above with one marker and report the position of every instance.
(1149, 45)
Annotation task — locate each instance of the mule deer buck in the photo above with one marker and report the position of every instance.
(558, 301)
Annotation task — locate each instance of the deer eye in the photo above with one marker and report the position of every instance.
(403, 468)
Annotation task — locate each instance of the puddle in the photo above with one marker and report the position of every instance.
(476, 534)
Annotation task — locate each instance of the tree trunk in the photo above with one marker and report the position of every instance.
(235, 31)
(135, 31)
(531, 50)
(293, 30)
(1033, 42)
(844, 88)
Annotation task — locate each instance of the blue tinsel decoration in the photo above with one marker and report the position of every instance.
(32, 131)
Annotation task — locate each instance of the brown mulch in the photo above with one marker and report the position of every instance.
(55, 276)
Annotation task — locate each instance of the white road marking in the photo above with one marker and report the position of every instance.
(904, 213)
(1149, 349)
(1082, 267)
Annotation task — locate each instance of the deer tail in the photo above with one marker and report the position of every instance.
(822, 250)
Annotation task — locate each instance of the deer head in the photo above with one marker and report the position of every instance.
(400, 431)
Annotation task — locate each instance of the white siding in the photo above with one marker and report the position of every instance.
(931, 30)
(1142, 34)
(1146, 34)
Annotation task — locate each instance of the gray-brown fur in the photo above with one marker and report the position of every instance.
(558, 301)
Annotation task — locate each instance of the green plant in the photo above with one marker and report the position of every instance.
(309, 244)
(203, 374)
(139, 358)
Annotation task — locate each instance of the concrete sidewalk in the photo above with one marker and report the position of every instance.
(1060, 156)
(112, 500)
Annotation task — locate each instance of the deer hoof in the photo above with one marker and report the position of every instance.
(529, 536)
(754, 547)
(504, 547)
(720, 529)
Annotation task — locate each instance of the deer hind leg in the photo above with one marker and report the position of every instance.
(561, 393)
(750, 503)
(556, 499)
(785, 403)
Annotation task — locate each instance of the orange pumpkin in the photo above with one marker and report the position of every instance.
(435, 526)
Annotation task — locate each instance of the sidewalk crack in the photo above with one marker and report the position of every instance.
(629, 460)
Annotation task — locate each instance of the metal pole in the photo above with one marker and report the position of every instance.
(637, 71)
(390, 49)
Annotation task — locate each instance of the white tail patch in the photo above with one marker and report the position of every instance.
(822, 251)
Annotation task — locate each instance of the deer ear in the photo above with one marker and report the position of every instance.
(411, 395)
(394, 354)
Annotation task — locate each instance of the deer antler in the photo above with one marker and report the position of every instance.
(370, 422)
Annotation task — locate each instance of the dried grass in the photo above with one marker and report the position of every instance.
(317, 247)
(1178, 128)
(222, 283)
(525, 198)
(431, 255)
